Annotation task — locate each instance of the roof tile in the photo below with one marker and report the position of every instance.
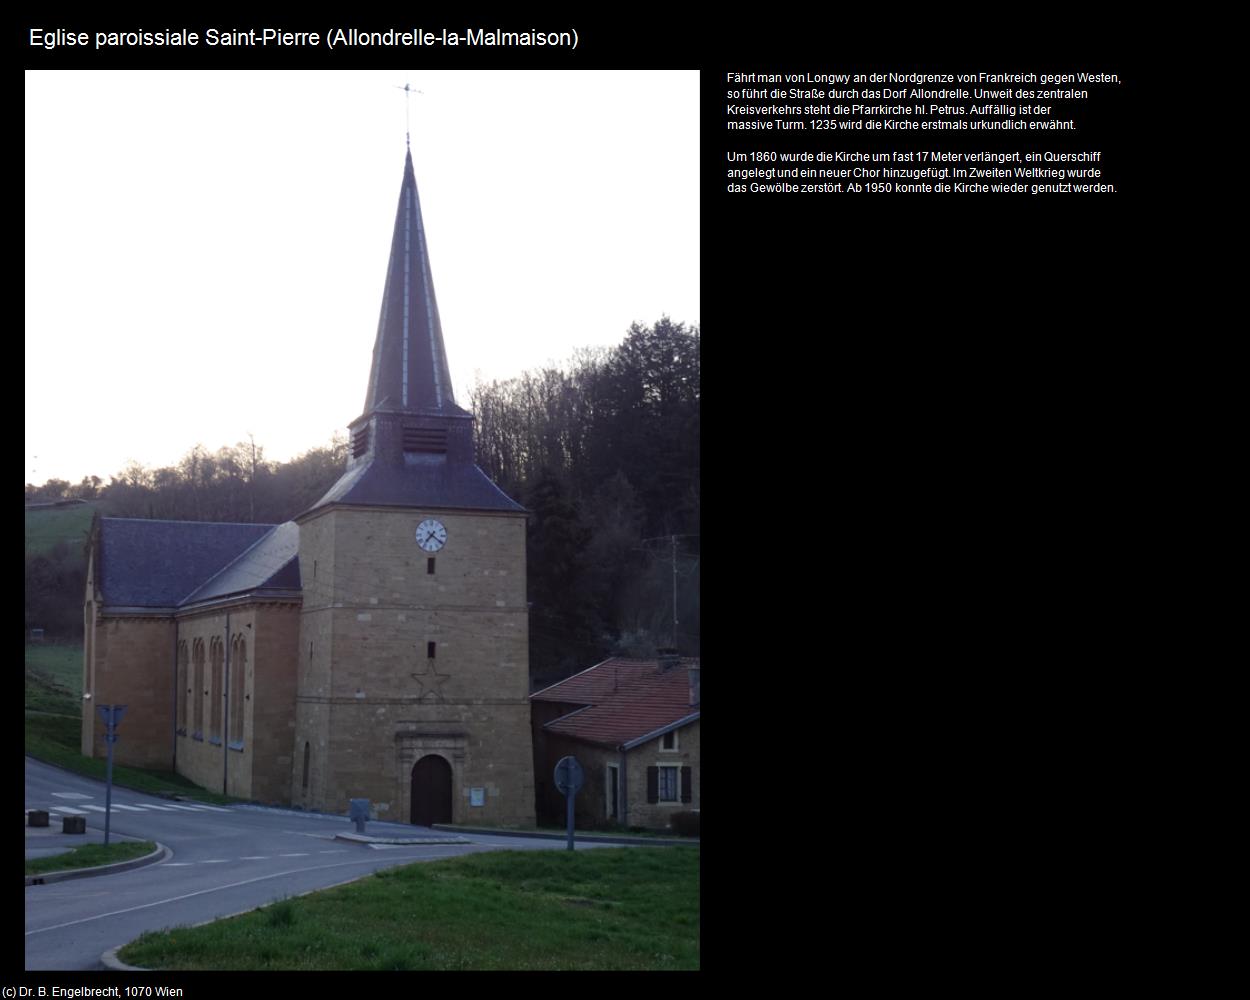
(628, 699)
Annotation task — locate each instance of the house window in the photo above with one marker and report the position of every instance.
(669, 741)
(307, 751)
(429, 650)
(429, 566)
(670, 784)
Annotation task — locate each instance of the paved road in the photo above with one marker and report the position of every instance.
(226, 859)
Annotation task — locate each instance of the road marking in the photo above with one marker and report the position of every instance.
(72, 795)
(332, 852)
(304, 855)
(216, 809)
(185, 808)
(255, 857)
(201, 892)
(98, 809)
(133, 809)
(68, 809)
(177, 864)
(149, 805)
(215, 861)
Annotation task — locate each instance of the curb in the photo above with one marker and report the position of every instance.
(110, 961)
(578, 838)
(160, 854)
(360, 838)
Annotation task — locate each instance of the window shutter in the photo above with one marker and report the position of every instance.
(653, 785)
(686, 790)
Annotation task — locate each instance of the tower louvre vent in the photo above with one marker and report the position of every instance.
(360, 441)
(426, 439)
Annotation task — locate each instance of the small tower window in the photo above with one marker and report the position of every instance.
(431, 440)
(429, 650)
(429, 565)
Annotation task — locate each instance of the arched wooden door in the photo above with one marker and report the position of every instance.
(431, 791)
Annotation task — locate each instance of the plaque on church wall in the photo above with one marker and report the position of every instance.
(477, 796)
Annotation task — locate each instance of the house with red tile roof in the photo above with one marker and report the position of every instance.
(633, 725)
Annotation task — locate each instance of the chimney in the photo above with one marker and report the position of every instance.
(694, 687)
(667, 659)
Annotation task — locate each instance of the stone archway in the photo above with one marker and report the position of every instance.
(431, 791)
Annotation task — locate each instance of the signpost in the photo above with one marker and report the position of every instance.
(569, 778)
(112, 715)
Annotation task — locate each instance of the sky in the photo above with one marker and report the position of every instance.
(205, 251)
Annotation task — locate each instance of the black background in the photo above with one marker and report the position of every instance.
(925, 398)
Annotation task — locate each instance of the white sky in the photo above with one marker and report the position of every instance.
(205, 251)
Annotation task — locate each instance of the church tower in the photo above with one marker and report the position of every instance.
(413, 677)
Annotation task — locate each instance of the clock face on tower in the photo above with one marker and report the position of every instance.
(431, 535)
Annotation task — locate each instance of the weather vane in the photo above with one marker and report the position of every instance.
(408, 90)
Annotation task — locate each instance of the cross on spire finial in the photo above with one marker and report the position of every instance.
(408, 90)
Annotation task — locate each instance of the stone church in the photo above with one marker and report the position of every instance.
(374, 647)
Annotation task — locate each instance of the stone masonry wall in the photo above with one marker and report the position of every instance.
(372, 702)
(134, 663)
(656, 816)
(271, 701)
(260, 769)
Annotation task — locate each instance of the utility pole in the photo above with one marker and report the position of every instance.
(252, 481)
(673, 644)
(673, 547)
(112, 715)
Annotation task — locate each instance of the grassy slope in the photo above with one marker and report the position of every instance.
(58, 666)
(54, 725)
(45, 528)
(610, 908)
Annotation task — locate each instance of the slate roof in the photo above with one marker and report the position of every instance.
(409, 370)
(628, 699)
(156, 564)
(272, 563)
(421, 481)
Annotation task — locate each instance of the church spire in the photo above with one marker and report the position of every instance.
(412, 447)
(409, 371)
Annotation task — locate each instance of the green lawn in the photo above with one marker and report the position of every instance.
(609, 908)
(46, 528)
(91, 855)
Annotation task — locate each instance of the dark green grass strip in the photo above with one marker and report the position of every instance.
(91, 855)
(609, 908)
